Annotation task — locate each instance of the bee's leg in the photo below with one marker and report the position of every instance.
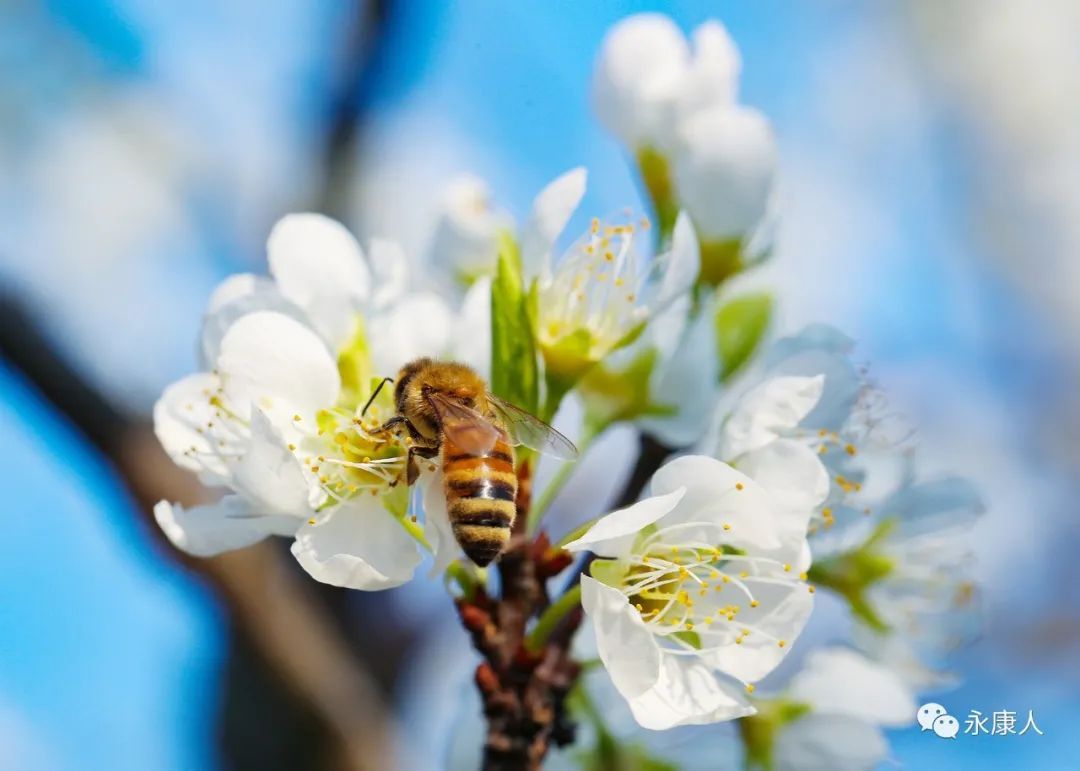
(412, 468)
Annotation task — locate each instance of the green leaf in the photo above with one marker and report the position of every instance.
(514, 371)
(740, 326)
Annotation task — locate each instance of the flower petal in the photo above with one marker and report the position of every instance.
(237, 296)
(417, 325)
(829, 743)
(781, 614)
(551, 210)
(472, 340)
(682, 263)
(357, 546)
(725, 167)
(466, 234)
(639, 72)
(713, 77)
(797, 482)
(624, 643)
(273, 361)
(767, 411)
(687, 693)
(717, 494)
(319, 265)
(391, 269)
(204, 531)
(615, 532)
(688, 383)
(820, 350)
(839, 681)
(181, 417)
(437, 527)
(269, 473)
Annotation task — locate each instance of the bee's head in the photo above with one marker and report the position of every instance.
(419, 379)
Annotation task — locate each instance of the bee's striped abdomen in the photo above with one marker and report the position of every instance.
(480, 493)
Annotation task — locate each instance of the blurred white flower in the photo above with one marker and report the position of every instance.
(830, 717)
(647, 77)
(909, 578)
(466, 239)
(684, 591)
(725, 163)
(676, 110)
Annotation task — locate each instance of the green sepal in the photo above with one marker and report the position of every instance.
(851, 573)
(720, 260)
(612, 396)
(758, 731)
(656, 176)
(741, 325)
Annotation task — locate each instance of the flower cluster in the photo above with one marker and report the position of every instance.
(674, 105)
(277, 419)
(769, 473)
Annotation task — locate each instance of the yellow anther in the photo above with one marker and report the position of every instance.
(739, 485)
(811, 589)
(296, 417)
(754, 603)
(787, 568)
(781, 643)
(743, 574)
(749, 687)
(738, 641)
(802, 576)
(311, 521)
(292, 447)
(726, 579)
(849, 449)
(822, 433)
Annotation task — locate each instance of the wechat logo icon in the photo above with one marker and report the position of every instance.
(934, 717)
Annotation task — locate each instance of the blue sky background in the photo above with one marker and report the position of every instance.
(188, 128)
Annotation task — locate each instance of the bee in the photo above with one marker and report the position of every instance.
(448, 412)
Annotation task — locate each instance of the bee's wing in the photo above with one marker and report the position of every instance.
(530, 431)
(465, 427)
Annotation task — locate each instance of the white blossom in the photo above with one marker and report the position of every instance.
(600, 295)
(277, 418)
(841, 701)
(648, 77)
(725, 163)
(467, 229)
(686, 600)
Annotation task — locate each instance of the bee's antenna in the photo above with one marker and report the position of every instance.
(375, 393)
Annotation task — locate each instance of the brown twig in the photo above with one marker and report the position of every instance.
(524, 691)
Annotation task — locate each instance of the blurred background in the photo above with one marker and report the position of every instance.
(930, 208)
